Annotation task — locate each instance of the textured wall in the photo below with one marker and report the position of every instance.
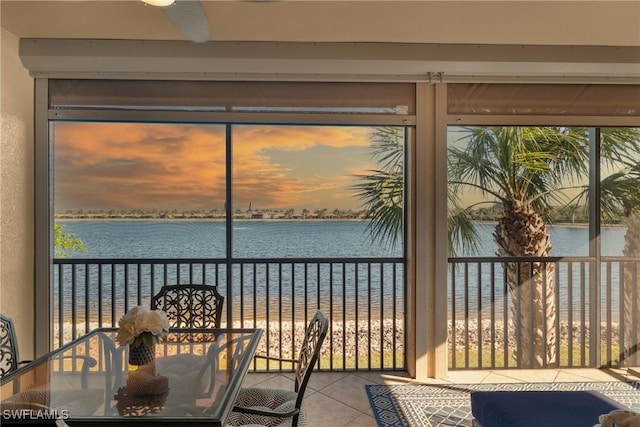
(16, 193)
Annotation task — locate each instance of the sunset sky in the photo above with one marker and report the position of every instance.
(125, 166)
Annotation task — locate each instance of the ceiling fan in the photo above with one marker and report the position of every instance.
(187, 15)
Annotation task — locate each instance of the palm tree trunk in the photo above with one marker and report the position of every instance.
(521, 232)
(631, 292)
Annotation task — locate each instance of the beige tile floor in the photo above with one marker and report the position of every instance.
(337, 399)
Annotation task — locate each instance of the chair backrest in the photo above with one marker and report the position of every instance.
(8, 346)
(309, 353)
(190, 306)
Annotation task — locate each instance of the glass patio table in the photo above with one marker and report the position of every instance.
(194, 380)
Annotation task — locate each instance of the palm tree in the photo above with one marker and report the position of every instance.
(630, 354)
(525, 170)
(624, 187)
(620, 198)
(382, 190)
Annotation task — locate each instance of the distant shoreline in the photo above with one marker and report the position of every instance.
(210, 219)
(560, 224)
(309, 219)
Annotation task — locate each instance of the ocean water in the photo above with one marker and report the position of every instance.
(280, 287)
(283, 239)
(571, 278)
(207, 239)
(319, 239)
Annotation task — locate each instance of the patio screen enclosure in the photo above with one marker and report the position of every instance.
(547, 176)
(253, 187)
(373, 297)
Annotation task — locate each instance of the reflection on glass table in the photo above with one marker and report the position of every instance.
(192, 368)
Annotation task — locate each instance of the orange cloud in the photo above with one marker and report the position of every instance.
(182, 166)
(138, 166)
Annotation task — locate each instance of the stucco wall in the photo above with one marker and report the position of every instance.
(16, 193)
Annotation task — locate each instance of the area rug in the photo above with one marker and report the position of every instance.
(439, 405)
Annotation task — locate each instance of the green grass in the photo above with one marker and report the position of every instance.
(563, 358)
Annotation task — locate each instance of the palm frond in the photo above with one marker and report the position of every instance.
(381, 191)
(461, 231)
(381, 194)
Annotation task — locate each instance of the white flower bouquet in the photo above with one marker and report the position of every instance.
(142, 326)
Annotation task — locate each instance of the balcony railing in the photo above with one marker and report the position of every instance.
(363, 297)
(481, 311)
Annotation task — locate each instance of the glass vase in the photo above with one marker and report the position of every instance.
(141, 354)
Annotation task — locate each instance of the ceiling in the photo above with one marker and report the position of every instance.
(345, 39)
(586, 23)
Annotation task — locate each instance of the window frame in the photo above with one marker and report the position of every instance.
(44, 212)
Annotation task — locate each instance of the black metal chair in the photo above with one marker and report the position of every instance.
(272, 407)
(10, 361)
(190, 306)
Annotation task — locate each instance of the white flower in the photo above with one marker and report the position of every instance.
(155, 322)
(141, 325)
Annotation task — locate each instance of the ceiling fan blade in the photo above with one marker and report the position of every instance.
(189, 17)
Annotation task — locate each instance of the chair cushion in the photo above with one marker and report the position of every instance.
(247, 420)
(270, 398)
(265, 399)
(539, 408)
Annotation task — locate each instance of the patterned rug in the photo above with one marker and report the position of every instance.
(439, 405)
